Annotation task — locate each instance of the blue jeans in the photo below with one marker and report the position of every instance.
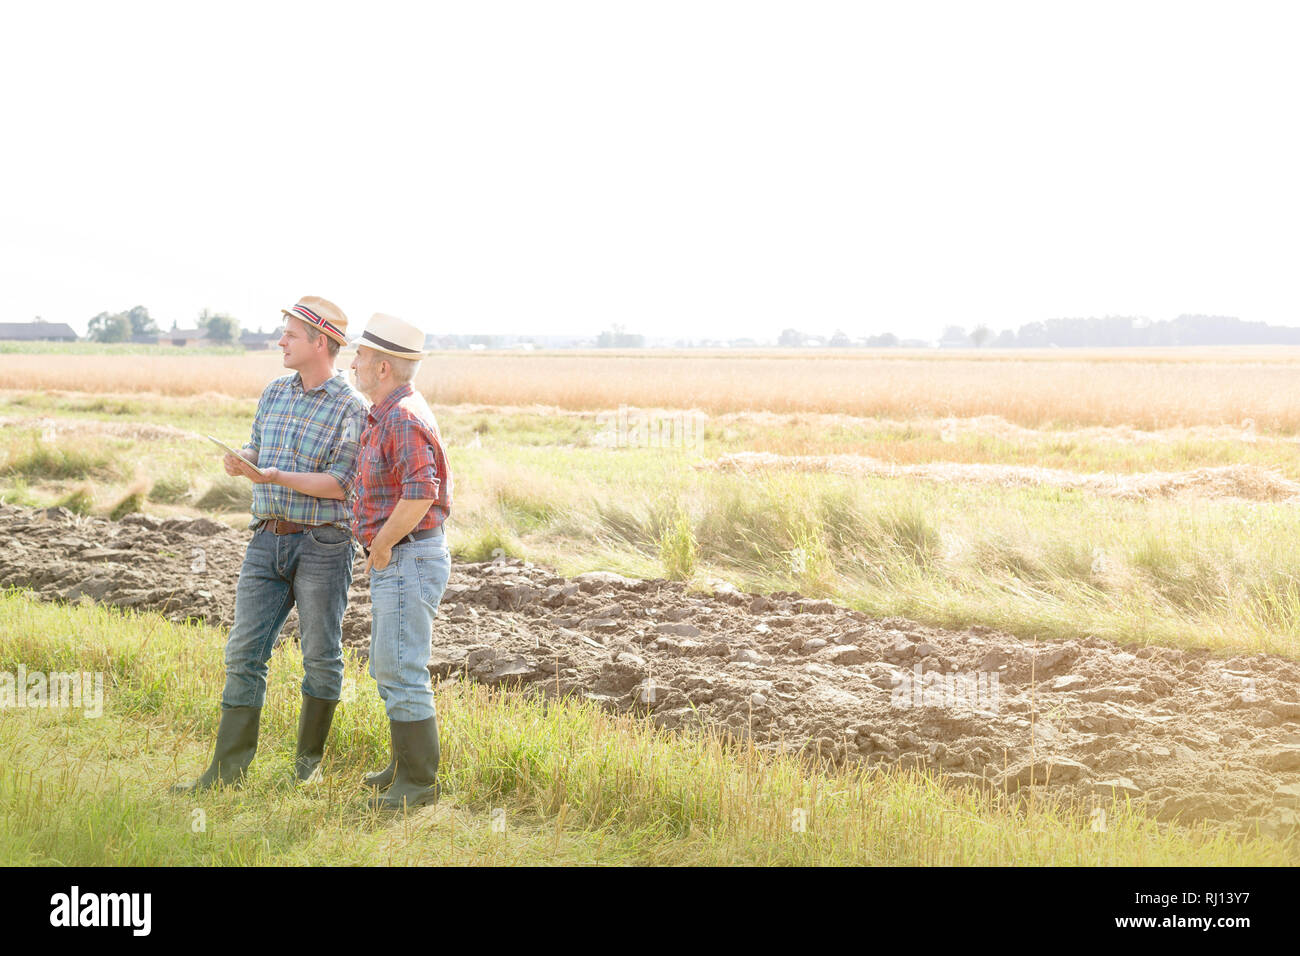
(312, 569)
(404, 600)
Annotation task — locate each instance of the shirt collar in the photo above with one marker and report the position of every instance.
(330, 385)
(391, 399)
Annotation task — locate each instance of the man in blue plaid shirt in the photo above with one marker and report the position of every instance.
(305, 440)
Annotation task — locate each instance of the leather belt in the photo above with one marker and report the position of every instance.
(413, 536)
(276, 526)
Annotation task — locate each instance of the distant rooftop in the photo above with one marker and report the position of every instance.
(37, 331)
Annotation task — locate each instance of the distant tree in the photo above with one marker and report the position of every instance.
(1130, 331)
(791, 338)
(1033, 335)
(221, 327)
(839, 340)
(887, 341)
(141, 323)
(981, 335)
(954, 335)
(616, 338)
(107, 327)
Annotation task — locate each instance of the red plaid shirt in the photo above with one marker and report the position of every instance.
(401, 457)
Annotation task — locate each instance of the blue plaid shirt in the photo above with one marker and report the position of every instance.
(299, 430)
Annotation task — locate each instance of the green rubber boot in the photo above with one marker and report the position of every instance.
(415, 753)
(236, 746)
(313, 727)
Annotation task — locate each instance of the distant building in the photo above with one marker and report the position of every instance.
(37, 332)
(259, 340)
(184, 337)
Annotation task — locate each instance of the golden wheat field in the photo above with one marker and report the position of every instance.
(1252, 388)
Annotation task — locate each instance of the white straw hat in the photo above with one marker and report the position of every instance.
(392, 336)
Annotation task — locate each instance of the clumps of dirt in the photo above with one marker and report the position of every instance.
(1185, 734)
(142, 562)
(1249, 482)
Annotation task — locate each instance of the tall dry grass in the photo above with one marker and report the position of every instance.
(1151, 390)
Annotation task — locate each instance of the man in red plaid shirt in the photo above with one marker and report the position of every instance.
(404, 496)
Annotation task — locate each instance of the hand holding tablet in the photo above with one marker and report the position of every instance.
(231, 451)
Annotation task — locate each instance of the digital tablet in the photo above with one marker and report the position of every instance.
(224, 447)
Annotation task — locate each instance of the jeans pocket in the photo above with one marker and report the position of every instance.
(329, 536)
(434, 571)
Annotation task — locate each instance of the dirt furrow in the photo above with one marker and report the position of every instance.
(1191, 735)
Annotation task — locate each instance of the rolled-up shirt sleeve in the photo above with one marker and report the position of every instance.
(345, 453)
(412, 456)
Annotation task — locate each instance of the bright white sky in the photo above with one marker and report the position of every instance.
(681, 168)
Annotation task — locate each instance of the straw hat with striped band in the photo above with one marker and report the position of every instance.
(392, 336)
(323, 314)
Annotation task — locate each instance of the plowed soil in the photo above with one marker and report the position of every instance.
(1189, 735)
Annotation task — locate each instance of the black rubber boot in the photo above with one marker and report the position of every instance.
(384, 778)
(313, 727)
(381, 780)
(236, 745)
(415, 751)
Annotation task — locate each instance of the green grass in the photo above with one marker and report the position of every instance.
(678, 549)
(1036, 561)
(486, 544)
(130, 503)
(38, 460)
(574, 784)
(168, 449)
(17, 492)
(79, 501)
(218, 414)
(226, 494)
(170, 489)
